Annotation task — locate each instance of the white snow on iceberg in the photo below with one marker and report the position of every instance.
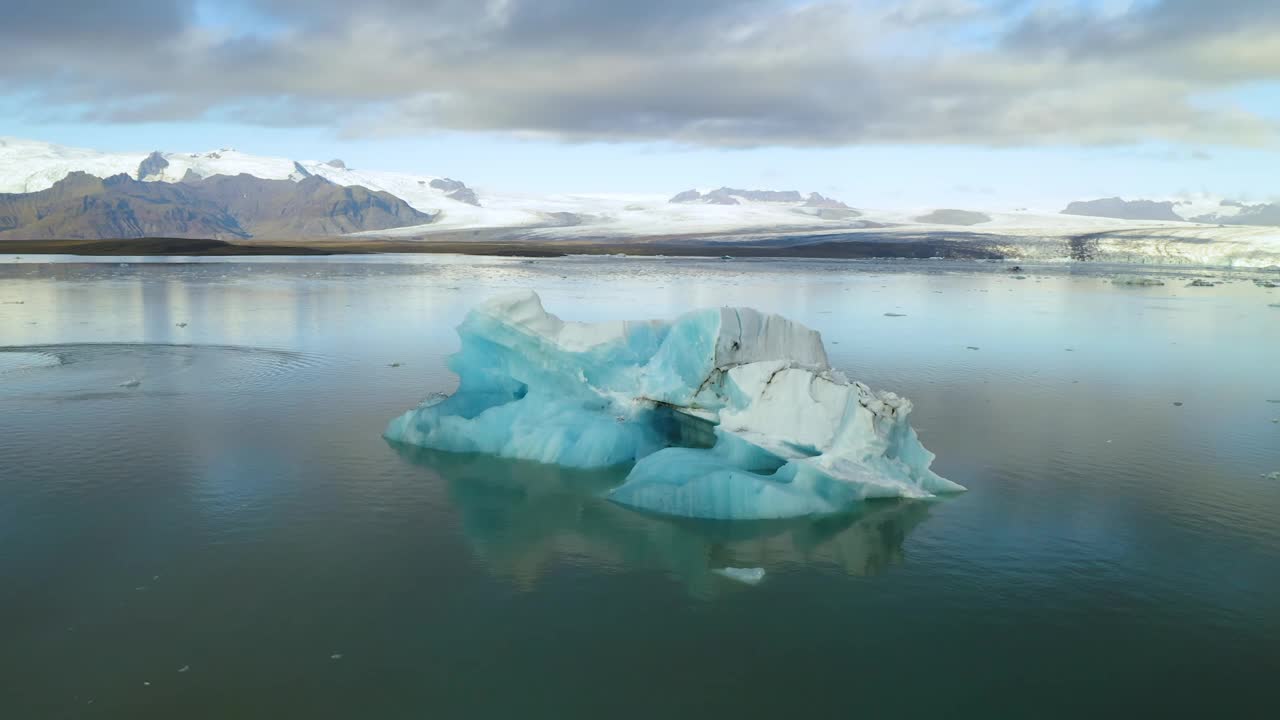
(727, 413)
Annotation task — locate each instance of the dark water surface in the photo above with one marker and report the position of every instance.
(203, 520)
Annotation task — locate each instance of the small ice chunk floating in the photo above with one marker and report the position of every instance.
(726, 413)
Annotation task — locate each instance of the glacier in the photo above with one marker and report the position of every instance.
(726, 413)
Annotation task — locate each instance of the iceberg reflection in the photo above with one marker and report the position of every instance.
(523, 519)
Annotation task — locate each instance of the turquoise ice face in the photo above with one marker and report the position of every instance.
(727, 413)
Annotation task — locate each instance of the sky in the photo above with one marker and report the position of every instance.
(985, 103)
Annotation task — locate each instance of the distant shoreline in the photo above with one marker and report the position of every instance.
(876, 247)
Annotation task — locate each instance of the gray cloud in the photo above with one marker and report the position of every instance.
(721, 72)
(71, 22)
(922, 12)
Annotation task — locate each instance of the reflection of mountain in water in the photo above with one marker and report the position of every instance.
(523, 518)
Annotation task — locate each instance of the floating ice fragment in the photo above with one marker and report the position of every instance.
(1136, 280)
(1272, 475)
(727, 413)
(747, 576)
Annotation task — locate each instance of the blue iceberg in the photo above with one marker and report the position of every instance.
(726, 413)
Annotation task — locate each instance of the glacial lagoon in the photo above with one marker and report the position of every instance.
(199, 516)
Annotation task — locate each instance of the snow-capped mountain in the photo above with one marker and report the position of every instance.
(1200, 209)
(1228, 233)
(29, 166)
(83, 207)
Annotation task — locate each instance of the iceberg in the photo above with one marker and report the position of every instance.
(725, 413)
(1137, 280)
(746, 576)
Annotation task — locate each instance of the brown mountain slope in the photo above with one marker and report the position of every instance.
(81, 206)
(311, 207)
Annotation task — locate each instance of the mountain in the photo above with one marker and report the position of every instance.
(949, 216)
(31, 166)
(309, 207)
(1124, 209)
(85, 207)
(81, 206)
(819, 201)
(456, 190)
(735, 196)
(152, 167)
(227, 194)
(1238, 213)
(1220, 212)
(814, 206)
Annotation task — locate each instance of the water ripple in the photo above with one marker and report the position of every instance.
(109, 370)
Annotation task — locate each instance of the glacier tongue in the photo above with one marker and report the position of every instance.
(727, 413)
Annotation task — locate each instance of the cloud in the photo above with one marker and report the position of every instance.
(731, 73)
(922, 12)
(70, 22)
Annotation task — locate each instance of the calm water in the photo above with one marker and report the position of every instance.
(203, 521)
